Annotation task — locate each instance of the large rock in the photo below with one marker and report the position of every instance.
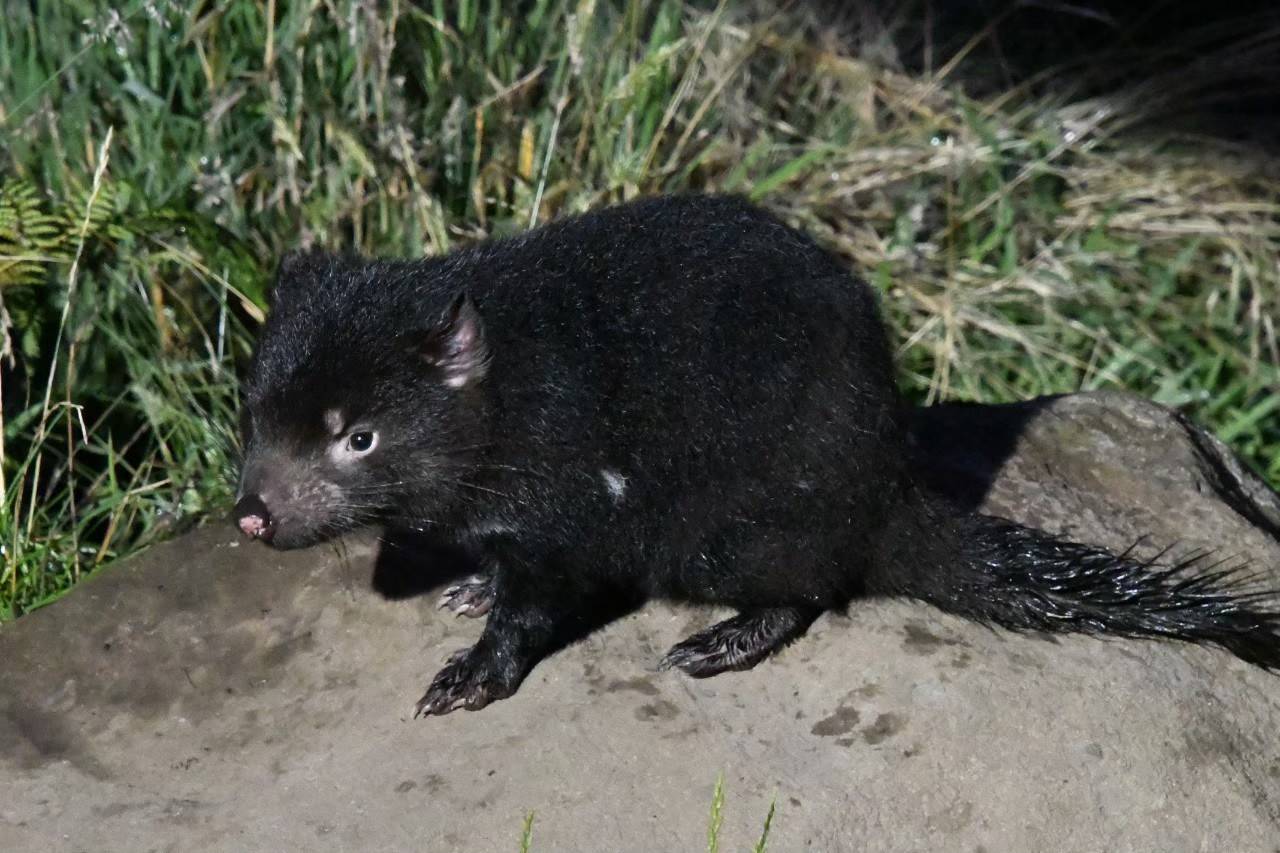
(218, 696)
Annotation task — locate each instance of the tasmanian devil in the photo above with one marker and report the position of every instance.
(677, 397)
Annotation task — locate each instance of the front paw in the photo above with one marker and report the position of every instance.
(472, 597)
(468, 680)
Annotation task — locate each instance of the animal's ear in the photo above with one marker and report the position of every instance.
(455, 346)
(298, 270)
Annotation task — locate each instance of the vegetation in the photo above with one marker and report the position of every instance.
(715, 821)
(158, 156)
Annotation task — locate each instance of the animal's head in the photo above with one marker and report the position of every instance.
(363, 397)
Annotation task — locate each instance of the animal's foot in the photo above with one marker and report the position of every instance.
(718, 649)
(472, 597)
(469, 680)
(737, 643)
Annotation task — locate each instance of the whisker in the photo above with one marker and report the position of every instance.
(515, 468)
(454, 450)
(479, 488)
(373, 486)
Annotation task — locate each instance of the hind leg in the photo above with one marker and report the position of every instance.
(740, 642)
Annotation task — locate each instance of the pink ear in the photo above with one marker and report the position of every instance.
(456, 346)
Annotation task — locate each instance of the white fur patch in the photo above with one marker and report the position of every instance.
(334, 421)
(615, 483)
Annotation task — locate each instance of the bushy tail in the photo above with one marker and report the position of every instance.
(996, 571)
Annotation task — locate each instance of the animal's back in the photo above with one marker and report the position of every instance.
(683, 327)
(680, 368)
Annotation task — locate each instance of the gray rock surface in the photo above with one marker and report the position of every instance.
(218, 696)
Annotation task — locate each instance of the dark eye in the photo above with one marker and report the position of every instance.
(361, 442)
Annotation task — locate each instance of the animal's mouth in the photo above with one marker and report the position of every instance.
(254, 519)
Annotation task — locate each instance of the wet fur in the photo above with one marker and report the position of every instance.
(679, 398)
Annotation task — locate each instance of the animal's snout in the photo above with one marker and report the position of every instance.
(254, 519)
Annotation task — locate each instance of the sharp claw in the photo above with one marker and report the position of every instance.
(678, 657)
(470, 598)
(455, 686)
(688, 661)
(428, 707)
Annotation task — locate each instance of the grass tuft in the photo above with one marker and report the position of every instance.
(763, 844)
(526, 834)
(716, 819)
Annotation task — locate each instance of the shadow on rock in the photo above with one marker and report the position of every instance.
(410, 563)
(960, 448)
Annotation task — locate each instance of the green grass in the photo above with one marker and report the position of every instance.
(715, 821)
(1023, 243)
(526, 834)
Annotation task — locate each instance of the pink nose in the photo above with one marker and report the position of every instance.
(252, 525)
(253, 518)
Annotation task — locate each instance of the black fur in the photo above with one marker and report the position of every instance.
(677, 397)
